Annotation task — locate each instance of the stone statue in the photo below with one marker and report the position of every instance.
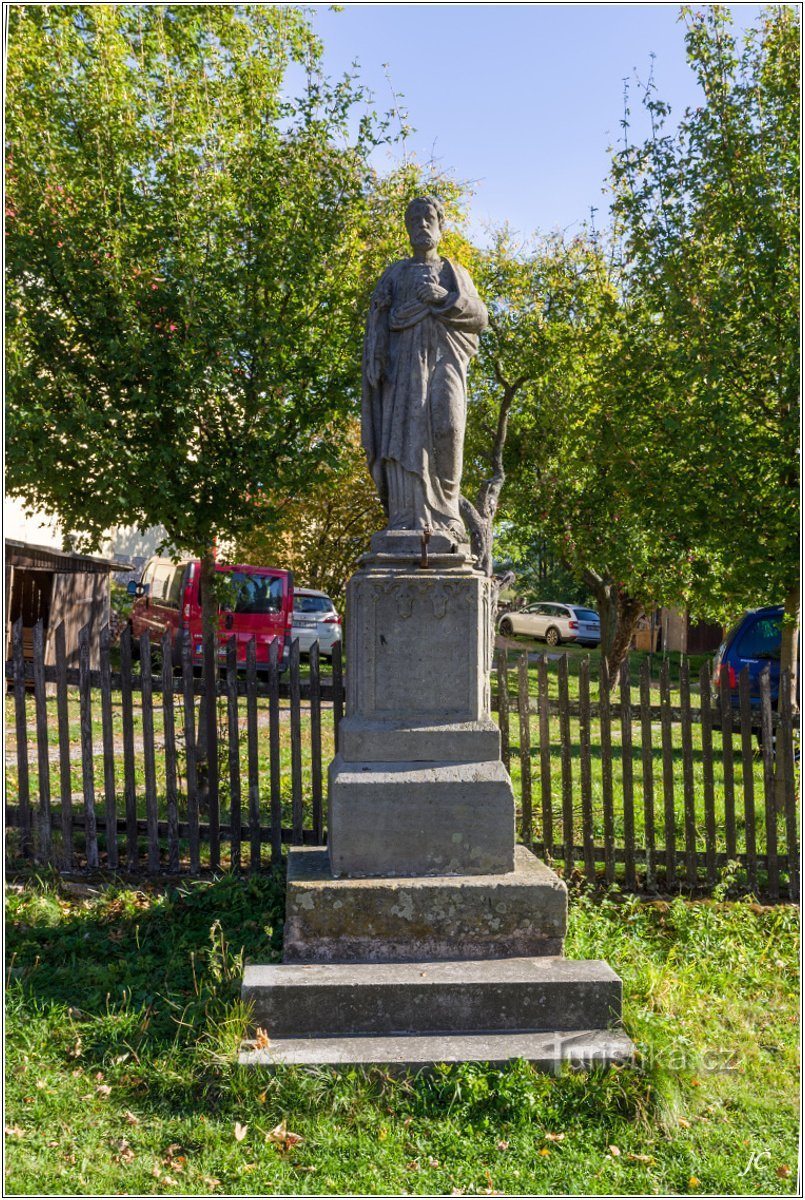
(422, 331)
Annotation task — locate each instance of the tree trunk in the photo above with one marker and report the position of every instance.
(789, 660)
(619, 613)
(607, 600)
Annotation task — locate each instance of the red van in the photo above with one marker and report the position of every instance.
(256, 601)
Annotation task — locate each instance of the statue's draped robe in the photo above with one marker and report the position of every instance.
(414, 417)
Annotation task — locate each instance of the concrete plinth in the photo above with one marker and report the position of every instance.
(522, 912)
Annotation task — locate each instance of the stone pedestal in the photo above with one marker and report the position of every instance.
(422, 918)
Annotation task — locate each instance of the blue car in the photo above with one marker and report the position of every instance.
(754, 643)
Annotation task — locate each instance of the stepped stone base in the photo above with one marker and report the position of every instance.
(515, 995)
(392, 819)
(521, 913)
(363, 739)
(581, 1049)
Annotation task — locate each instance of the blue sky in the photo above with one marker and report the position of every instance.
(521, 99)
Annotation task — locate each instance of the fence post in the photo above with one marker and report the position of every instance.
(725, 702)
(586, 771)
(748, 778)
(503, 707)
(526, 819)
(605, 720)
(707, 773)
(767, 734)
(669, 816)
(233, 750)
(785, 765)
(65, 773)
(21, 733)
(274, 750)
(169, 729)
(567, 779)
(110, 812)
(648, 772)
(129, 786)
(254, 763)
(687, 774)
(628, 776)
(189, 703)
(87, 766)
(545, 756)
(42, 749)
(338, 692)
(149, 764)
(315, 744)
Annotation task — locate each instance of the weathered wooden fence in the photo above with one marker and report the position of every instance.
(109, 768)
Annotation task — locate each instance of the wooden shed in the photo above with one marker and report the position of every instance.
(53, 586)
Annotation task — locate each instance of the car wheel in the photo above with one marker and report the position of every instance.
(552, 636)
(506, 627)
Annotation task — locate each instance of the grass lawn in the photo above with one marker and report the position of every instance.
(123, 1020)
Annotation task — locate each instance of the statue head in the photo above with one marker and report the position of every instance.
(424, 220)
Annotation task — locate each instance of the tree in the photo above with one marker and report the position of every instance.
(709, 220)
(321, 535)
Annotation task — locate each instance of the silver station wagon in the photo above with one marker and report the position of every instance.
(554, 623)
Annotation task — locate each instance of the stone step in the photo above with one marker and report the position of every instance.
(469, 996)
(581, 1049)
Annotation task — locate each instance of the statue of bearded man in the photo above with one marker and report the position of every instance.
(422, 331)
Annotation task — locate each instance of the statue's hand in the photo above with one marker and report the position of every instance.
(430, 293)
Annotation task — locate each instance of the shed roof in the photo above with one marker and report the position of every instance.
(47, 558)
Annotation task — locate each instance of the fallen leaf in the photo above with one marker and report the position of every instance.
(261, 1039)
(684, 1122)
(103, 1091)
(544, 1152)
(693, 1181)
(412, 1166)
(14, 1131)
(433, 1162)
(125, 1153)
(99, 1076)
(503, 1145)
(614, 1151)
(643, 1158)
(695, 1083)
(130, 1118)
(382, 1133)
(282, 1137)
(555, 1137)
(457, 1192)
(212, 1183)
(240, 1131)
(261, 1099)
(783, 1172)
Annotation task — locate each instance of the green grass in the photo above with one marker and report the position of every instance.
(123, 1021)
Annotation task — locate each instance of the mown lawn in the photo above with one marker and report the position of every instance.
(123, 1020)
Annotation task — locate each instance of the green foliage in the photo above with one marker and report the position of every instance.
(188, 256)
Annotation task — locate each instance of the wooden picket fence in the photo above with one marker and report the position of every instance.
(648, 791)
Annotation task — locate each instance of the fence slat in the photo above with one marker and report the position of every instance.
(747, 748)
(772, 865)
(315, 744)
(233, 746)
(338, 693)
(545, 756)
(688, 793)
(65, 774)
(191, 770)
(785, 766)
(149, 757)
(705, 717)
(586, 770)
(42, 749)
(87, 767)
(253, 761)
(564, 754)
(502, 664)
(526, 816)
(647, 758)
(21, 734)
(669, 815)
(628, 776)
(725, 700)
(274, 745)
(605, 720)
(297, 814)
(169, 731)
(108, 734)
(127, 713)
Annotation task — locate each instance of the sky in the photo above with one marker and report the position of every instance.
(521, 100)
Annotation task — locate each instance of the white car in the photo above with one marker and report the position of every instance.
(554, 623)
(315, 619)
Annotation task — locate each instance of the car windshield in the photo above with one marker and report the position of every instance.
(312, 604)
(762, 639)
(586, 614)
(251, 594)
